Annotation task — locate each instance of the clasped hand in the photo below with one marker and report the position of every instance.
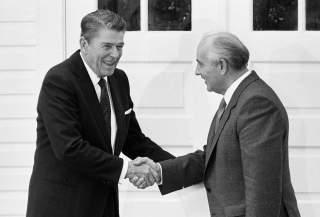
(143, 172)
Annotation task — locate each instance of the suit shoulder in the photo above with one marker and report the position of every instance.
(260, 95)
(122, 78)
(260, 89)
(59, 71)
(120, 74)
(59, 76)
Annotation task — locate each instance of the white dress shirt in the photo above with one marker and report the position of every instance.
(95, 79)
(230, 91)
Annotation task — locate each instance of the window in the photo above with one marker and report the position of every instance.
(161, 15)
(128, 9)
(275, 15)
(169, 15)
(312, 14)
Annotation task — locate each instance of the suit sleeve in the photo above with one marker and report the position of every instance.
(261, 128)
(136, 143)
(58, 107)
(182, 171)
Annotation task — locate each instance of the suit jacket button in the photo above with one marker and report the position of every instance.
(208, 189)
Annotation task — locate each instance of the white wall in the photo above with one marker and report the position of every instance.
(18, 75)
(172, 104)
(23, 34)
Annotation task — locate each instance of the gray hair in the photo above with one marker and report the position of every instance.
(92, 22)
(230, 48)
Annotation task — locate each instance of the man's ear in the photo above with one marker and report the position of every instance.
(223, 66)
(83, 44)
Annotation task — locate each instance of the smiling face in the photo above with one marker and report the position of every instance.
(103, 51)
(209, 68)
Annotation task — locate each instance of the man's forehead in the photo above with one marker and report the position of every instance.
(207, 41)
(106, 34)
(203, 48)
(108, 30)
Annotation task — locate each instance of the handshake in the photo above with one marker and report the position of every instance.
(143, 172)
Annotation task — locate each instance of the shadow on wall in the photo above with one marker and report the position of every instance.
(175, 86)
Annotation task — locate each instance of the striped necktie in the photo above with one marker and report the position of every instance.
(105, 104)
(219, 114)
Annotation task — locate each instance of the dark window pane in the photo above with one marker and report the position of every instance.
(128, 9)
(169, 15)
(275, 14)
(313, 15)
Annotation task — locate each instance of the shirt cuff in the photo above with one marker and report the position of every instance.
(124, 170)
(161, 180)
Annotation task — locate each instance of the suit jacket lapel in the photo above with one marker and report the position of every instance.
(90, 95)
(117, 105)
(233, 102)
(214, 138)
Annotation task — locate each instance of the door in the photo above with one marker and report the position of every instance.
(287, 57)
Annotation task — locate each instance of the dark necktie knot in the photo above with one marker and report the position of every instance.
(222, 105)
(102, 83)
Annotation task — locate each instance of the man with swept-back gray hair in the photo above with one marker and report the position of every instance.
(244, 165)
(85, 119)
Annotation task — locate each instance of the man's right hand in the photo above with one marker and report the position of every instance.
(143, 172)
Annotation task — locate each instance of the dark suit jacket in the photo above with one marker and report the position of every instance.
(75, 172)
(244, 166)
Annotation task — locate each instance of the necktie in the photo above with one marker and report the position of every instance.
(219, 113)
(105, 104)
(215, 122)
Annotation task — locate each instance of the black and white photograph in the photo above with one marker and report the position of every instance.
(175, 108)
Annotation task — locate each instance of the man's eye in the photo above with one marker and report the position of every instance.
(108, 46)
(119, 47)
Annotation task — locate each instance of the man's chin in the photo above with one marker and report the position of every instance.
(108, 72)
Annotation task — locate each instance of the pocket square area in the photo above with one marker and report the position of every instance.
(128, 111)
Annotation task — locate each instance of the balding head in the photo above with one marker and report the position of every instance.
(221, 58)
(224, 45)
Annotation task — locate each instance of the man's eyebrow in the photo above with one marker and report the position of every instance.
(110, 43)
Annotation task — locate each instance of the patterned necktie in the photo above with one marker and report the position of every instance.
(105, 104)
(215, 122)
(220, 111)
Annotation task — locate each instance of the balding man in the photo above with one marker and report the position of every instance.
(244, 165)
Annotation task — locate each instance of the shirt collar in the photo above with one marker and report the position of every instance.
(93, 76)
(229, 92)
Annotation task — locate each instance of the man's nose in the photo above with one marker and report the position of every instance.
(197, 71)
(115, 52)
